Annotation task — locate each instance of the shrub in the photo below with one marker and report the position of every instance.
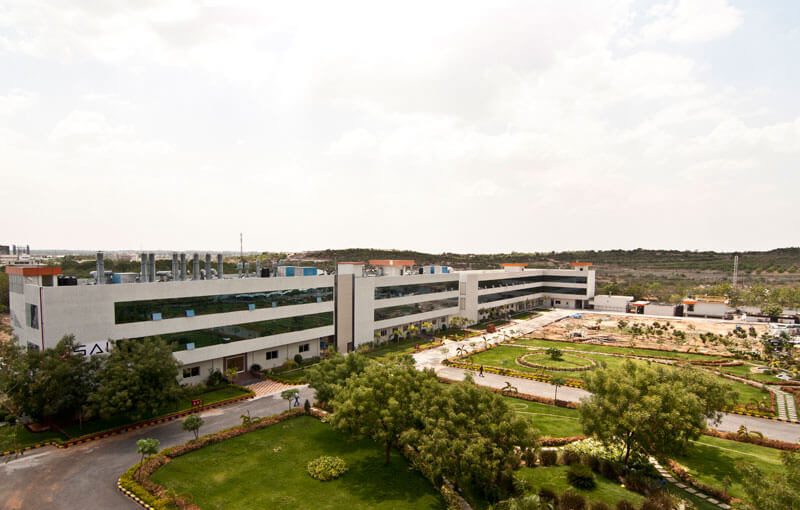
(11, 419)
(307, 406)
(548, 494)
(591, 462)
(608, 469)
(581, 477)
(659, 501)
(529, 456)
(298, 358)
(599, 505)
(637, 483)
(624, 504)
(215, 378)
(3, 414)
(255, 367)
(568, 457)
(571, 501)
(548, 457)
(326, 468)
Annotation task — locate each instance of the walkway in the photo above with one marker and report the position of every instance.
(691, 490)
(268, 387)
(433, 358)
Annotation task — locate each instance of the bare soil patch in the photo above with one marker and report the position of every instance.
(5, 327)
(603, 329)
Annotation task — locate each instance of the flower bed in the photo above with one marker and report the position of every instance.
(760, 441)
(593, 364)
(559, 441)
(326, 468)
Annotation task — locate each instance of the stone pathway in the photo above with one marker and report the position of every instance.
(691, 490)
(268, 387)
(785, 404)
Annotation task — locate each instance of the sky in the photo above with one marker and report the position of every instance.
(435, 126)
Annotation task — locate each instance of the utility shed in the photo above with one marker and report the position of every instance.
(609, 303)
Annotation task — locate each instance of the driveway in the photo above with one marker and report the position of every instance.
(84, 477)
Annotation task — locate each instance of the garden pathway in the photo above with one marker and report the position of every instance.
(691, 490)
(269, 387)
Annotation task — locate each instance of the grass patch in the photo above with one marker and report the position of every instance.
(113, 422)
(485, 324)
(566, 361)
(13, 437)
(555, 478)
(267, 469)
(551, 421)
(711, 459)
(504, 356)
(392, 349)
(536, 342)
(744, 371)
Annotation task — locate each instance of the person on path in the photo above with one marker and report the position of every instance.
(480, 373)
(296, 399)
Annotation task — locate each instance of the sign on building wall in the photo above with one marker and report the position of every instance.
(93, 348)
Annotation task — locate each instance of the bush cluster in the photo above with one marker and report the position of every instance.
(581, 477)
(326, 468)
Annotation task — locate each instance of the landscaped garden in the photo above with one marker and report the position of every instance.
(555, 479)
(549, 420)
(515, 357)
(267, 468)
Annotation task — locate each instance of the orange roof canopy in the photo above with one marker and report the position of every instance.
(580, 264)
(391, 262)
(33, 270)
(514, 264)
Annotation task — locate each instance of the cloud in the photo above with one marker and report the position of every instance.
(691, 21)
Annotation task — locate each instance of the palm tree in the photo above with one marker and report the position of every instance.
(412, 330)
(461, 351)
(508, 388)
(427, 327)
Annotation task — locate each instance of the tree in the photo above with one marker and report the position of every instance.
(192, 424)
(557, 380)
(138, 378)
(427, 327)
(146, 447)
(509, 389)
(772, 491)
(652, 408)
(771, 309)
(49, 385)
(412, 330)
(288, 395)
(554, 353)
(327, 375)
(471, 435)
(381, 402)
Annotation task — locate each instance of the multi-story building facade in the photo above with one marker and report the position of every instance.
(223, 322)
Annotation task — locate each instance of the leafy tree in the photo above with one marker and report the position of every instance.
(771, 309)
(48, 385)
(652, 408)
(325, 376)
(192, 424)
(381, 402)
(427, 327)
(3, 290)
(557, 380)
(471, 436)
(525, 502)
(554, 353)
(138, 378)
(772, 491)
(288, 395)
(412, 330)
(146, 447)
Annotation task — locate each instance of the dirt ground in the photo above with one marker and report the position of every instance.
(609, 334)
(5, 327)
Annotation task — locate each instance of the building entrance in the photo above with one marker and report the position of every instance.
(237, 362)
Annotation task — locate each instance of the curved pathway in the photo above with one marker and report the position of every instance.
(433, 359)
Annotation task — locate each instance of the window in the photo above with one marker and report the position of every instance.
(508, 282)
(139, 311)
(497, 296)
(414, 290)
(32, 316)
(304, 348)
(191, 372)
(392, 312)
(272, 355)
(247, 331)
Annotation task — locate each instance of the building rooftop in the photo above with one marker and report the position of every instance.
(391, 262)
(37, 270)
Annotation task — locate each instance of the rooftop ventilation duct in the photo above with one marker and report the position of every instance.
(101, 272)
(151, 272)
(219, 266)
(183, 266)
(143, 260)
(196, 266)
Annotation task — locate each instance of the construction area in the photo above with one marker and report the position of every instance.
(706, 336)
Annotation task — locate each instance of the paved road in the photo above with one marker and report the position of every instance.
(432, 359)
(84, 477)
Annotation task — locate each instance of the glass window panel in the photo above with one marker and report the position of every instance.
(392, 312)
(415, 289)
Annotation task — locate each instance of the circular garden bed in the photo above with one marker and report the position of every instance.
(568, 362)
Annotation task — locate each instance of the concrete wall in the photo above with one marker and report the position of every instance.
(705, 309)
(659, 309)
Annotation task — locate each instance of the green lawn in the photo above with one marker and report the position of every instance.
(555, 478)
(710, 459)
(17, 437)
(550, 421)
(504, 356)
(391, 349)
(744, 371)
(103, 424)
(536, 342)
(267, 469)
(566, 361)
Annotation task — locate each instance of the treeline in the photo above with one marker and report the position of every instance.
(778, 260)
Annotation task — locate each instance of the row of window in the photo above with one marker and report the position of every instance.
(195, 371)
(499, 296)
(156, 309)
(392, 312)
(523, 280)
(417, 289)
(188, 340)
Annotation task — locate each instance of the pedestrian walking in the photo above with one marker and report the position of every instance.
(296, 399)
(480, 373)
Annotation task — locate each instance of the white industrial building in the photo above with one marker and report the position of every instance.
(221, 322)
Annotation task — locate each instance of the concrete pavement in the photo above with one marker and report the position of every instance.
(84, 477)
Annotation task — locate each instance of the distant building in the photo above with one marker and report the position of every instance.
(705, 306)
(5, 250)
(665, 309)
(609, 303)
